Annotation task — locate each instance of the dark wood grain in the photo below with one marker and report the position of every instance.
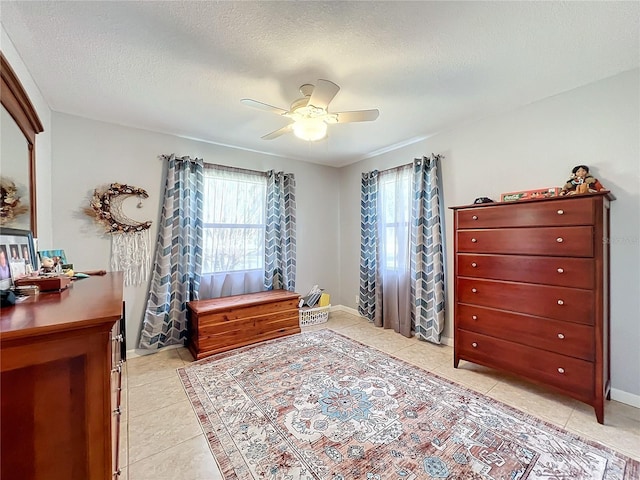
(221, 324)
(527, 302)
(56, 382)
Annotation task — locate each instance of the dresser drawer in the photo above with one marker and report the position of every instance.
(551, 241)
(572, 339)
(563, 271)
(572, 375)
(576, 211)
(561, 303)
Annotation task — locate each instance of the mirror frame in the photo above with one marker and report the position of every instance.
(15, 99)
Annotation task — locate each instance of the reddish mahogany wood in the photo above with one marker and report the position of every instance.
(562, 303)
(553, 241)
(561, 271)
(559, 371)
(547, 334)
(514, 316)
(57, 382)
(220, 324)
(554, 212)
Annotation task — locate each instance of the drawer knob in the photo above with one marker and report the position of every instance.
(561, 270)
(474, 345)
(473, 240)
(117, 369)
(560, 336)
(560, 302)
(117, 473)
(560, 370)
(560, 212)
(117, 411)
(474, 290)
(474, 264)
(559, 240)
(475, 217)
(474, 317)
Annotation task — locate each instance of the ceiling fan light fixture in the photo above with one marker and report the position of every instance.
(310, 129)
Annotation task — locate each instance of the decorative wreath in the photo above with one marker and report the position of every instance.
(10, 206)
(106, 207)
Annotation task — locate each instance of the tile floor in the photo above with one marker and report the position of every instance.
(161, 437)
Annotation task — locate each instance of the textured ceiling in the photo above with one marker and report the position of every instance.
(182, 67)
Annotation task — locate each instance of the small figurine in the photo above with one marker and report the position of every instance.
(47, 265)
(581, 181)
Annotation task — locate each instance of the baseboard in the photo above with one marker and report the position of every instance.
(625, 397)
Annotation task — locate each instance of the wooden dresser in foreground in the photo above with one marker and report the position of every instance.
(532, 292)
(60, 368)
(221, 324)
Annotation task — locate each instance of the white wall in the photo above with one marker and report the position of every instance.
(90, 154)
(43, 140)
(537, 146)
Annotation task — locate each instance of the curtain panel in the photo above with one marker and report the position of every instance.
(427, 256)
(175, 278)
(402, 277)
(280, 234)
(369, 274)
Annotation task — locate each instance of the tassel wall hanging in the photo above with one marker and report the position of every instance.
(130, 242)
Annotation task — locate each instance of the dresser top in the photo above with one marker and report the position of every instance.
(85, 303)
(606, 194)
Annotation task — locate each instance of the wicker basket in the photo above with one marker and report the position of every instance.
(314, 316)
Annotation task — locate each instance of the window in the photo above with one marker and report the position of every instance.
(394, 211)
(234, 207)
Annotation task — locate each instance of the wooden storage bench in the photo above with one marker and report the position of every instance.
(221, 324)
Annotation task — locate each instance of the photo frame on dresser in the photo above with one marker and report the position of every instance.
(17, 255)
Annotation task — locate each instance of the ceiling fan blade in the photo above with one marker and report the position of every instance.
(277, 133)
(358, 116)
(262, 106)
(323, 93)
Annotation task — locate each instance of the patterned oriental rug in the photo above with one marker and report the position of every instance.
(321, 406)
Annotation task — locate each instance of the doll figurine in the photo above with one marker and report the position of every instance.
(581, 181)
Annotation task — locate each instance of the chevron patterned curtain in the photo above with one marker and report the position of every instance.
(178, 258)
(369, 274)
(280, 234)
(427, 251)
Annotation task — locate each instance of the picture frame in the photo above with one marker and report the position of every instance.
(17, 255)
(57, 255)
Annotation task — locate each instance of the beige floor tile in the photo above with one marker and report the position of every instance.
(388, 341)
(426, 355)
(123, 451)
(189, 460)
(185, 355)
(156, 431)
(153, 396)
(149, 368)
(534, 400)
(471, 375)
(618, 432)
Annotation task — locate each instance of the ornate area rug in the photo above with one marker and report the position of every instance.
(321, 406)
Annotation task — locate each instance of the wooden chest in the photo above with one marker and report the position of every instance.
(532, 292)
(221, 324)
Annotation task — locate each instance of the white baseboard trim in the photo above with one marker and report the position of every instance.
(625, 397)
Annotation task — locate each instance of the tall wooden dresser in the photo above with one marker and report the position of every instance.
(60, 384)
(532, 291)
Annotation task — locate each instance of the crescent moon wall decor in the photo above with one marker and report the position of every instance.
(130, 238)
(107, 208)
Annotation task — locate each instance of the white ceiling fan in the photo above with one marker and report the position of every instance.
(310, 115)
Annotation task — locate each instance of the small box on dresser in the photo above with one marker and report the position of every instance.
(532, 292)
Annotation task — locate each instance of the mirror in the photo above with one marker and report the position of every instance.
(18, 128)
